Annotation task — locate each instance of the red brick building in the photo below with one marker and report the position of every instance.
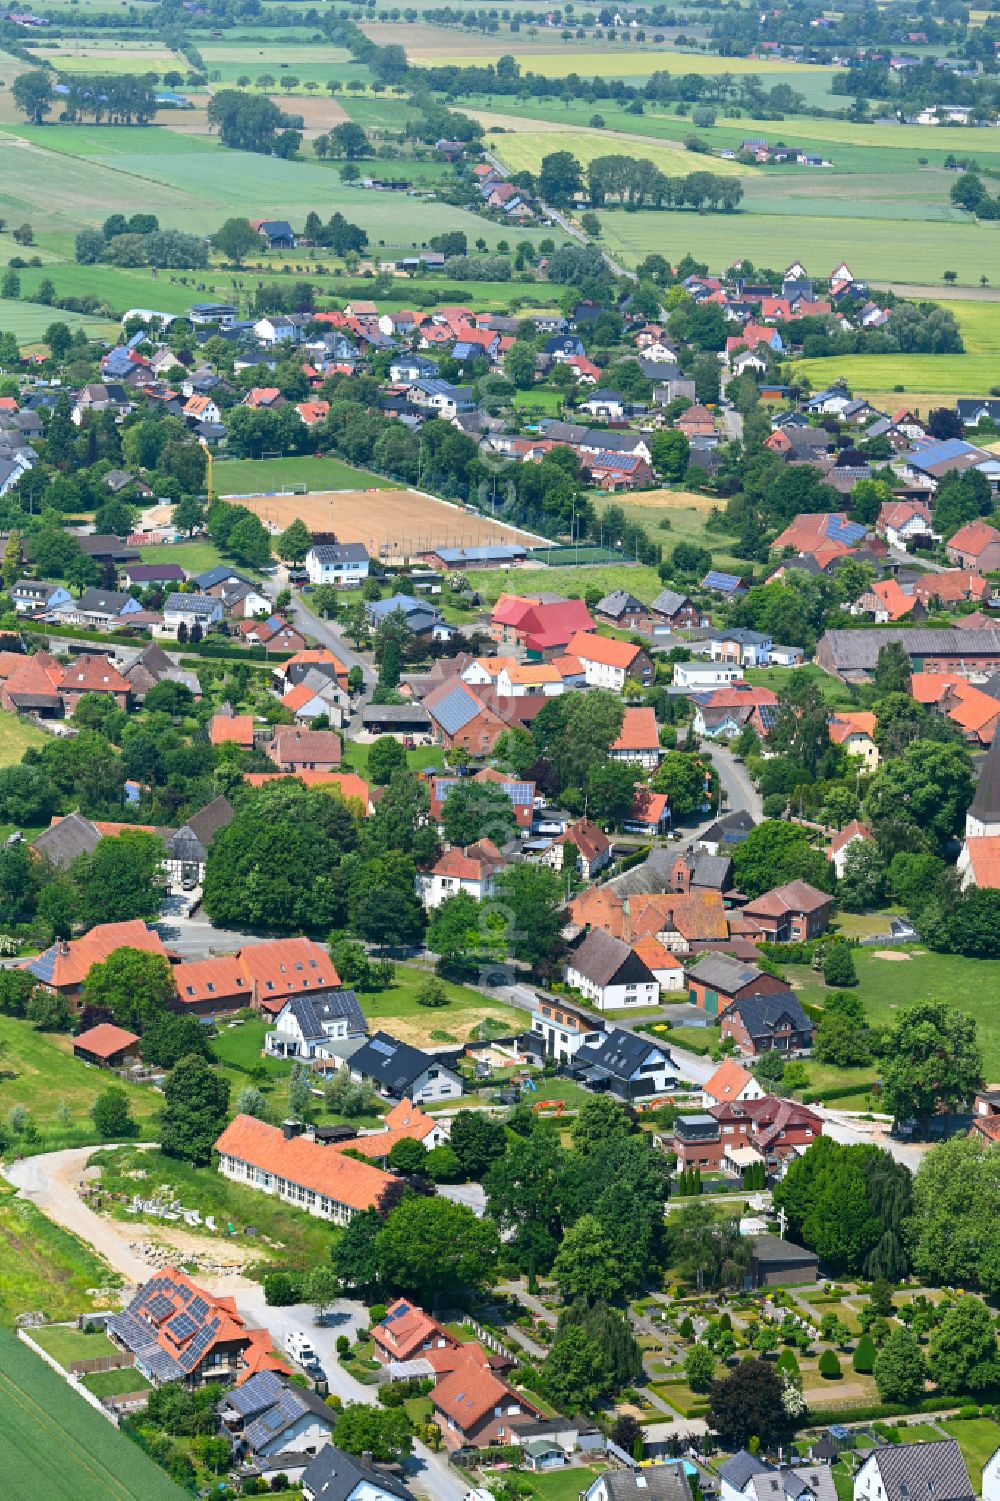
(792, 913)
(762, 1023)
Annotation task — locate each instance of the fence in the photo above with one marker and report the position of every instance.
(584, 554)
(115, 1362)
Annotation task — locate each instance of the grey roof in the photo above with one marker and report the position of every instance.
(256, 1394)
(493, 553)
(619, 1054)
(742, 635)
(858, 650)
(102, 601)
(192, 840)
(668, 602)
(339, 552)
(601, 957)
(933, 1471)
(311, 1011)
(71, 836)
(291, 1404)
(336, 1476)
(657, 1483)
(711, 871)
(192, 604)
(720, 972)
(653, 875)
(729, 828)
(760, 1014)
(217, 575)
(985, 803)
(392, 1064)
(743, 1466)
(774, 1248)
(407, 714)
(618, 602)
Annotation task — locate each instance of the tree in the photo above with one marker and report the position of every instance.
(892, 670)
(899, 1370)
(575, 1371)
(120, 879)
(862, 886)
(699, 1368)
(478, 810)
(863, 1359)
(135, 987)
(670, 452)
(927, 788)
(355, 1256)
(251, 1101)
(294, 542)
(686, 779)
(408, 1156)
(112, 1116)
(851, 1205)
(931, 1061)
(829, 1366)
(528, 898)
(432, 1248)
(250, 543)
(842, 1034)
(838, 965)
(600, 1119)
(559, 178)
(167, 1038)
(349, 140)
(385, 756)
(585, 1266)
(454, 928)
(956, 1204)
(963, 1353)
(32, 93)
(747, 1404)
(320, 1288)
(519, 366)
(523, 1190)
(195, 1111)
(382, 1432)
(477, 1141)
(431, 993)
(775, 852)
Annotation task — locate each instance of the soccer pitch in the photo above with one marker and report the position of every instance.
(55, 1446)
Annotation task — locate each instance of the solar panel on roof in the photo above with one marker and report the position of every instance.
(198, 1308)
(159, 1307)
(715, 580)
(181, 1327)
(382, 1047)
(185, 1294)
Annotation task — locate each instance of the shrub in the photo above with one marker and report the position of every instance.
(863, 1359)
(829, 1366)
(280, 1290)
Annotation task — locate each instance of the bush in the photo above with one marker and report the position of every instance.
(829, 1366)
(863, 1359)
(838, 965)
(280, 1290)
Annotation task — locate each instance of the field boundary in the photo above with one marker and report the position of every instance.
(70, 1379)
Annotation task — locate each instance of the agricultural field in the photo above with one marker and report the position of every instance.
(16, 734)
(422, 1026)
(391, 523)
(969, 374)
(56, 1445)
(64, 177)
(309, 63)
(523, 149)
(46, 1269)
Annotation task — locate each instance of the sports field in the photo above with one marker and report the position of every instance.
(55, 1446)
(254, 476)
(389, 523)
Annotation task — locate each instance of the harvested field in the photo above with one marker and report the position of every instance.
(389, 523)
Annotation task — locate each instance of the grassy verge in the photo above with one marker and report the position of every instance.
(66, 1344)
(45, 1268)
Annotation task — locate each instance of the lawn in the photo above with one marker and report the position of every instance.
(45, 1268)
(888, 986)
(55, 1444)
(969, 374)
(38, 1070)
(233, 477)
(641, 581)
(16, 734)
(672, 516)
(116, 1383)
(835, 693)
(193, 557)
(977, 1438)
(66, 1344)
(421, 758)
(562, 1485)
(398, 1010)
(27, 321)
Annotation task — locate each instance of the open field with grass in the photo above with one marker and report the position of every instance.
(63, 177)
(671, 516)
(16, 734)
(523, 149)
(45, 1268)
(56, 1445)
(66, 1343)
(641, 581)
(977, 1439)
(27, 321)
(116, 1383)
(391, 523)
(969, 374)
(881, 249)
(38, 1070)
(88, 55)
(246, 476)
(399, 1010)
(888, 986)
(194, 557)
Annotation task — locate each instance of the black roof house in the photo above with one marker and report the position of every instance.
(932, 1471)
(395, 1067)
(336, 1476)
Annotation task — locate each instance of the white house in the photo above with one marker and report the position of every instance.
(472, 870)
(334, 1474)
(268, 1418)
(276, 328)
(991, 1477)
(98, 608)
(605, 404)
(326, 1024)
(628, 1066)
(638, 740)
(343, 564)
(610, 975)
(607, 662)
(743, 647)
(31, 596)
(203, 610)
(697, 675)
(904, 1472)
(563, 1027)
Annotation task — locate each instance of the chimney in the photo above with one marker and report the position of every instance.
(367, 1460)
(290, 1129)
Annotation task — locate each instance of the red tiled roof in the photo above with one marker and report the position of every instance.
(104, 1040)
(728, 1082)
(66, 965)
(638, 731)
(974, 538)
(793, 896)
(470, 1393)
(603, 649)
(237, 728)
(305, 1163)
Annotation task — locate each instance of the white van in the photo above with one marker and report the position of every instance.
(299, 1347)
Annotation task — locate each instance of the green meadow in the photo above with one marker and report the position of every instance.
(969, 374)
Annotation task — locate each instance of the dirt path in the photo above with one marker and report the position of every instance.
(53, 1182)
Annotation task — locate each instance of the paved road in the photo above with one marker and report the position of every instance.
(49, 1181)
(739, 790)
(326, 633)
